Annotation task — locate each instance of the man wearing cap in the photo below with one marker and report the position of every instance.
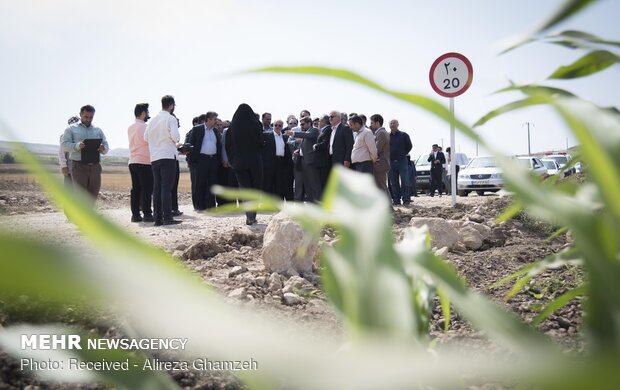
(63, 157)
(85, 174)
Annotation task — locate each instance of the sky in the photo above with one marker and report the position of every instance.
(60, 55)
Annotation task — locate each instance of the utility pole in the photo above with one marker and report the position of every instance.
(529, 149)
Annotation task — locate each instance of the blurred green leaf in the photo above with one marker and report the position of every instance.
(569, 256)
(591, 63)
(560, 302)
(579, 39)
(565, 11)
(29, 267)
(424, 102)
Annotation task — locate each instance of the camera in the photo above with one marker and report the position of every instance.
(185, 148)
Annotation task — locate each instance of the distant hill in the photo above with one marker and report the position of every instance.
(52, 150)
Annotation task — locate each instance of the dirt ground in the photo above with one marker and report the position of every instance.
(225, 242)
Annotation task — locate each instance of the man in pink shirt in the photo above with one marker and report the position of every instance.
(140, 167)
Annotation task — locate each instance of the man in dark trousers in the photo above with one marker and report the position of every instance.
(322, 159)
(400, 146)
(277, 163)
(311, 178)
(340, 142)
(162, 135)
(205, 158)
(437, 159)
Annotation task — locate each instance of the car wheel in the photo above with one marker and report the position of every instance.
(480, 193)
(463, 193)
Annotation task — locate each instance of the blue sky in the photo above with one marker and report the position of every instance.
(60, 55)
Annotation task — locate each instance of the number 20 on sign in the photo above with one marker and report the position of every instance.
(451, 74)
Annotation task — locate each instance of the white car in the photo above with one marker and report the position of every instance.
(481, 174)
(552, 167)
(534, 164)
(562, 159)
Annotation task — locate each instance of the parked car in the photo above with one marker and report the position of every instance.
(423, 169)
(534, 164)
(423, 172)
(562, 159)
(481, 174)
(552, 167)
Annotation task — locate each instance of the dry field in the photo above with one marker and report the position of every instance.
(113, 178)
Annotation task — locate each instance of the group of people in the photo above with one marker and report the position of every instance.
(291, 160)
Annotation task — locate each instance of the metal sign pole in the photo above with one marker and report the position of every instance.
(452, 155)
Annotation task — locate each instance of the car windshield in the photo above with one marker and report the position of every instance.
(422, 160)
(524, 162)
(482, 162)
(549, 164)
(561, 160)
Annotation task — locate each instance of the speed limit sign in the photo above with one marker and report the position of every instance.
(451, 74)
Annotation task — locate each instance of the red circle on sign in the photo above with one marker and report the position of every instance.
(470, 76)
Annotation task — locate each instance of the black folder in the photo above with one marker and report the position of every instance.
(90, 153)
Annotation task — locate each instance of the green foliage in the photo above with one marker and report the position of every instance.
(591, 63)
(383, 290)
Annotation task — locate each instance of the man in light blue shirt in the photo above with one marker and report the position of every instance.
(86, 174)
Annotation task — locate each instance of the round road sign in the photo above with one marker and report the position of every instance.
(451, 74)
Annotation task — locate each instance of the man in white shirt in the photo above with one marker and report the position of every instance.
(364, 152)
(162, 135)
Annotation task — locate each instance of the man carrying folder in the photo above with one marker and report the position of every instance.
(85, 143)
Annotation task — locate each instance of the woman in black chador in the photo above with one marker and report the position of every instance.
(243, 146)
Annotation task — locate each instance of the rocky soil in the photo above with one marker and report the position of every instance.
(227, 254)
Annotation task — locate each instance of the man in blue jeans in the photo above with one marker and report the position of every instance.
(162, 135)
(400, 146)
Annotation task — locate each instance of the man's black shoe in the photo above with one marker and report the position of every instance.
(158, 222)
(148, 218)
(172, 222)
(136, 218)
(176, 213)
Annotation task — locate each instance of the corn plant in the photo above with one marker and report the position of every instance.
(382, 290)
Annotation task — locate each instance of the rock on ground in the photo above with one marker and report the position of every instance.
(441, 231)
(286, 247)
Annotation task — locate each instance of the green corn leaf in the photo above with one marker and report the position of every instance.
(444, 300)
(569, 256)
(589, 64)
(424, 102)
(565, 11)
(32, 268)
(579, 39)
(510, 212)
(507, 108)
(483, 314)
(557, 233)
(597, 132)
(560, 302)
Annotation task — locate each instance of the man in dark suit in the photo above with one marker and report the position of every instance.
(205, 158)
(277, 163)
(341, 141)
(307, 154)
(437, 159)
(322, 159)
